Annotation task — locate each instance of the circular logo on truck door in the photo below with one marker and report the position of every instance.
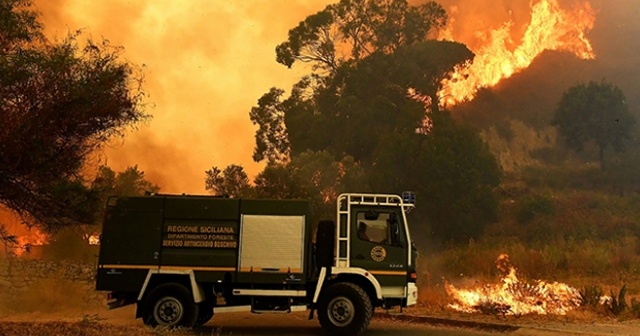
(378, 253)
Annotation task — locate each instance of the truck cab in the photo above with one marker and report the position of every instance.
(379, 242)
(182, 259)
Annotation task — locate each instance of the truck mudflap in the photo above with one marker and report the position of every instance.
(412, 294)
(119, 299)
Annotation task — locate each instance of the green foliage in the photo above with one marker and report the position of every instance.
(452, 168)
(232, 181)
(272, 141)
(355, 127)
(276, 181)
(314, 176)
(533, 207)
(71, 242)
(130, 182)
(594, 113)
(590, 296)
(357, 113)
(60, 101)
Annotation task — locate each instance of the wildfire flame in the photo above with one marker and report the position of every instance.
(94, 239)
(513, 297)
(550, 28)
(25, 242)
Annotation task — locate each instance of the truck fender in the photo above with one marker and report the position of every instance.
(336, 271)
(196, 289)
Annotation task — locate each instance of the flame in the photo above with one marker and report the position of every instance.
(35, 237)
(94, 239)
(550, 28)
(513, 297)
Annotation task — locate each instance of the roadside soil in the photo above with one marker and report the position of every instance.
(99, 321)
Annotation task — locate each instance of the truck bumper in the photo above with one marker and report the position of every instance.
(412, 294)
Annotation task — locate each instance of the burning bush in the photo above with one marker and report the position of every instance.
(515, 297)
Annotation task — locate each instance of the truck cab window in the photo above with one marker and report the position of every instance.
(382, 228)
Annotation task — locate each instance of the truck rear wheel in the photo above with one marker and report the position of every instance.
(205, 312)
(170, 305)
(344, 309)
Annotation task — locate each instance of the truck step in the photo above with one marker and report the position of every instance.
(237, 309)
(279, 311)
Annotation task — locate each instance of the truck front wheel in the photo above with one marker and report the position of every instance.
(344, 309)
(170, 305)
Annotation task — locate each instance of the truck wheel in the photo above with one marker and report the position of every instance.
(205, 312)
(344, 309)
(170, 305)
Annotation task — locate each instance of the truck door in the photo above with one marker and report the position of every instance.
(379, 244)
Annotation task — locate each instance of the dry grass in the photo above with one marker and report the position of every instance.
(50, 295)
(68, 329)
(82, 328)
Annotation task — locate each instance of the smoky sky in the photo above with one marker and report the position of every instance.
(206, 63)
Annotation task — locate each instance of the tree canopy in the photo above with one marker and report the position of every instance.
(129, 182)
(60, 101)
(594, 113)
(369, 120)
(359, 28)
(230, 182)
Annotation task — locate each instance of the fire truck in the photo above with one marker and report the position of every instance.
(181, 259)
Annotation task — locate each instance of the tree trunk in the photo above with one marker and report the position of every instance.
(435, 100)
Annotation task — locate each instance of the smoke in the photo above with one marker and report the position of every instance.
(205, 63)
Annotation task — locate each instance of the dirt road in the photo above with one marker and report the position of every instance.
(297, 324)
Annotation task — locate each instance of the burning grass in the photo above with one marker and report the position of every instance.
(471, 297)
(514, 296)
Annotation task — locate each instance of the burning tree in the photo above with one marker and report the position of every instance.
(60, 102)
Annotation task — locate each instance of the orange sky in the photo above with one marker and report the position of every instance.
(206, 64)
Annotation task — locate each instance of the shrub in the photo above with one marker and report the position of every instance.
(590, 296)
(635, 308)
(618, 304)
(534, 206)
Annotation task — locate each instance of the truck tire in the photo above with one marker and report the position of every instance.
(205, 312)
(170, 305)
(344, 309)
(325, 243)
